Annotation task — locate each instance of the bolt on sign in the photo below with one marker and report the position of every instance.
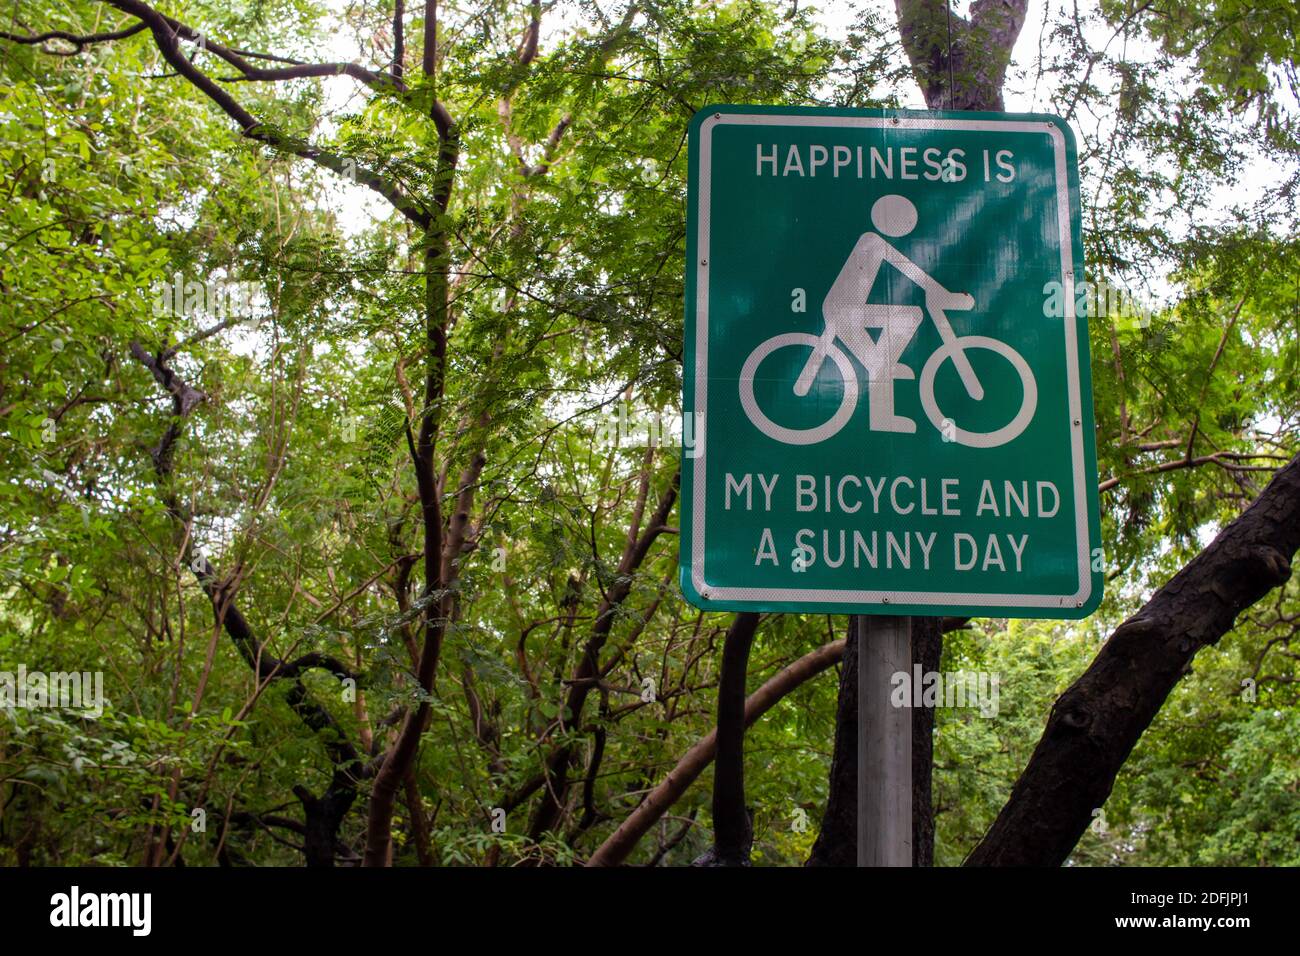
(886, 413)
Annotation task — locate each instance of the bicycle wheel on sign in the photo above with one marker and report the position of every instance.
(797, 436)
(999, 436)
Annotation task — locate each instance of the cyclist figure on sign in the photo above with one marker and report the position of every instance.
(848, 316)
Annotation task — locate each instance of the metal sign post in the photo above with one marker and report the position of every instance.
(884, 742)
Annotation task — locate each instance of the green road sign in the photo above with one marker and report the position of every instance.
(887, 399)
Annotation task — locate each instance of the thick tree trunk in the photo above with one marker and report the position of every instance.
(733, 832)
(322, 818)
(927, 648)
(838, 838)
(837, 841)
(1095, 724)
(960, 63)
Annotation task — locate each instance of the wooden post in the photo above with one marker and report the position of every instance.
(884, 742)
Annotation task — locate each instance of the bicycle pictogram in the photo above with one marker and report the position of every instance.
(848, 318)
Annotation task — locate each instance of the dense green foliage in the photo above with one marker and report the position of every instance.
(566, 299)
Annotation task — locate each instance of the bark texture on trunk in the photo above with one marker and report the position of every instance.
(960, 63)
(733, 828)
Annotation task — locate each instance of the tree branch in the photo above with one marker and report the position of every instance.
(658, 801)
(588, 669)
(80, 41)
(1095, 724)
(167, 34)
(323, 814)
(399, 39)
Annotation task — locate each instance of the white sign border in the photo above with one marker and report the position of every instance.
(867, 596)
